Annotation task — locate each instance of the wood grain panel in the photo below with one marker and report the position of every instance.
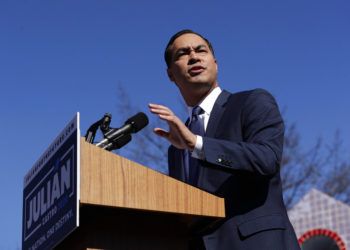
(111, 180)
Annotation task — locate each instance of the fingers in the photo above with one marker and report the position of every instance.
(161, 132)
(160, 109)
(163, 112)
(153, 105)
(178, 135)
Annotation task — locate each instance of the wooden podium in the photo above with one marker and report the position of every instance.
(124, 205)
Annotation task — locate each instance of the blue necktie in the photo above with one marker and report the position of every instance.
(196, 127)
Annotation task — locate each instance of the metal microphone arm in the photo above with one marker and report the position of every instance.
(103, 123)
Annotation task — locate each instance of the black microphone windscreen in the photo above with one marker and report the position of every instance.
(138, 122)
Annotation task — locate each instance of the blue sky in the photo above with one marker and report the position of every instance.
(60, 57)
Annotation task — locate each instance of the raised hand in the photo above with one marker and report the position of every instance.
(178, 135)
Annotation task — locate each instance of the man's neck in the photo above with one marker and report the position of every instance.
(195, 100)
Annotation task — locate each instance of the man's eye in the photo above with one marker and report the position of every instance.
(180, 54)
(202, 51)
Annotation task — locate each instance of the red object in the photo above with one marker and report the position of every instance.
(325, 232)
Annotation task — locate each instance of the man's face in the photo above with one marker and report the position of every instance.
(193, 66)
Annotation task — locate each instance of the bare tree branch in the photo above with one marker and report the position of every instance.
(146, 148)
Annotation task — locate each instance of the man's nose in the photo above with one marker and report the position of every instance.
(193, 57)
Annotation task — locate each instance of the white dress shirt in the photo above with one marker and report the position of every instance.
(207, 106)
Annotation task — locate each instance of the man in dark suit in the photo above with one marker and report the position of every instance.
(231, 146)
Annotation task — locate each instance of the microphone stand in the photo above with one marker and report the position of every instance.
(104, 125)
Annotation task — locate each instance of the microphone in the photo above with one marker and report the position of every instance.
(118, 143)
(132, 125)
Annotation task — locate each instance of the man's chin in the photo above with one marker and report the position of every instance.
(201, 82)
(202, 87)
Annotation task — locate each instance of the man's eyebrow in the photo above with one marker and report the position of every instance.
(181, 49)
(201, 46)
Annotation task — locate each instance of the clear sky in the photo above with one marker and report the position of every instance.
(63, 56)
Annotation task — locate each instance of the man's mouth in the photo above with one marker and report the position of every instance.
(196, 70)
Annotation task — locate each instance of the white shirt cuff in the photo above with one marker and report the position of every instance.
(198, 148)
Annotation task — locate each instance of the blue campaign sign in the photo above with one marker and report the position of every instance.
(51, 195)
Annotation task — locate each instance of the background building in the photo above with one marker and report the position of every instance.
(321, 222)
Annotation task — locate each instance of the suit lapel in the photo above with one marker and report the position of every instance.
(216, 113)
(214, 120)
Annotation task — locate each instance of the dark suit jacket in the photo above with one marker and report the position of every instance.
(243, 150)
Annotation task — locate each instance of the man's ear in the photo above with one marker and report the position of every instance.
(170, 75)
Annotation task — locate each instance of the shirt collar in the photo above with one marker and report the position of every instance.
(208, 102)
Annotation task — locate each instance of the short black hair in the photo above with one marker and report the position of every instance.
(167, 53)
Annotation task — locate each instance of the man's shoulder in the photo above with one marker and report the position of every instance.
(258, 94)
(249, 92)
